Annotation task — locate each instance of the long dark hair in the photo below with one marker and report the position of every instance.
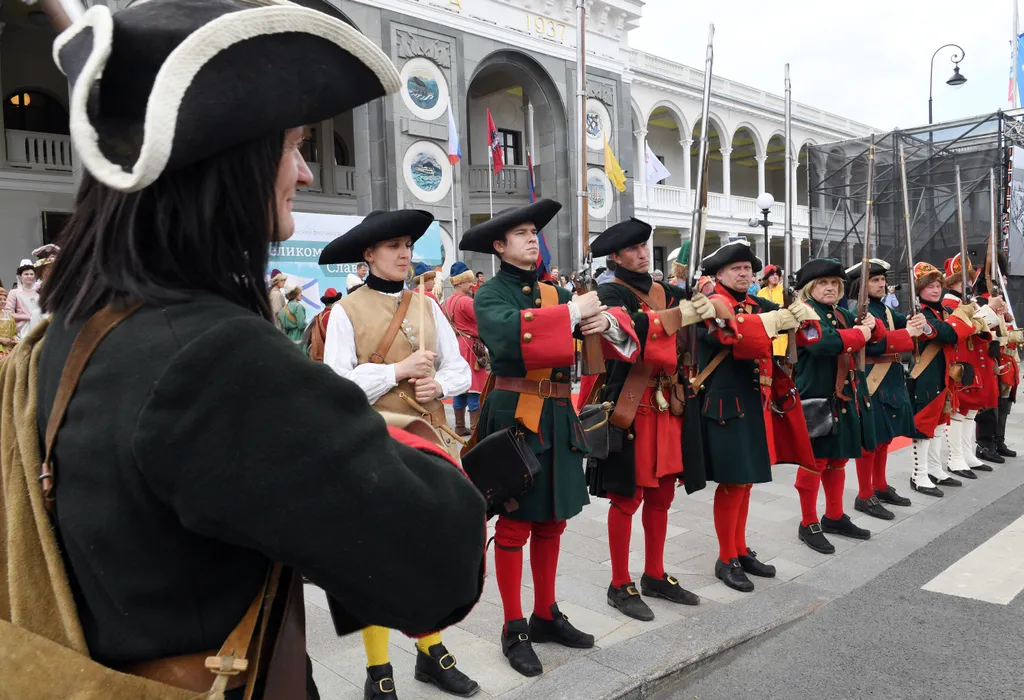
(204, 227)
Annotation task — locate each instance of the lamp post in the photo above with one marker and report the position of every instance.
(955, 80)
(765, 202)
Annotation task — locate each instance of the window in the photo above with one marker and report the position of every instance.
(341, 153)
(659, 260)
(310, 148)
(510, 146)
(29, 110)
(53, 223)
(661, 159)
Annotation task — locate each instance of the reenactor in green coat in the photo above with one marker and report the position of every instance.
(529, 328)
(887, 386)
(826, 372)
(648, 402)
(734, 385)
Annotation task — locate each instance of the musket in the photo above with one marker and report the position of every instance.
(965, 278)
(592, 358)
(992, 269)
(995, 254)
(787, 292)
(915, 303)
(698, 222)
(865, 264)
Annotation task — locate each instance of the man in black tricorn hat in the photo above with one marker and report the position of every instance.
(646, 469)
(529, 329)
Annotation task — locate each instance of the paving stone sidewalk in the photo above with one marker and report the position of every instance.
(584, 575)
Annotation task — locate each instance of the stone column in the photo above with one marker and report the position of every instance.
(760, 174)
(640, 177)
(726, 176)
(326, 147)
(686, 144)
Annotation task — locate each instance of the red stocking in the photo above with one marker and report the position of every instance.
(832, 481)
(620, 528)
(509, 538)
(728, 499)
(808, 481)
(741, 521)
(655, 517)
(544, 545)
(878, 475)
(865, 475)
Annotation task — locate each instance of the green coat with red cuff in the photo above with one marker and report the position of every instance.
(815, 375)
(892, 412)
(928, 391)
(505, 307)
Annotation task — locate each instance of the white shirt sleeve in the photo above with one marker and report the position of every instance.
(340, 355)
(618, 337)
(453, 372)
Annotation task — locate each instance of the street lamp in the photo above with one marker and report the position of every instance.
(765, 202)
(955, 80)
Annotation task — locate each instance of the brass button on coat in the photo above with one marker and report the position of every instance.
(528, 315)
(537, 302)
(527, 337)
(559, 375)
(527, 290)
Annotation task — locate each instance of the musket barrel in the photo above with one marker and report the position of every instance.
(915, 304)
(697, 220)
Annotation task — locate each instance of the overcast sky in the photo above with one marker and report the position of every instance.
(866, 59)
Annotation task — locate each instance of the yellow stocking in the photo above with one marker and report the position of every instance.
(375, 641)
(424, 643)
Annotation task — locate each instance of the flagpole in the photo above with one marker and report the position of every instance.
(1015, 98)
(455, 225)
(647, 200)
(490, 194)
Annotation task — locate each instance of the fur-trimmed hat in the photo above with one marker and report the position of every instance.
(770, 270)
(481, 238)
(459, 273)
(423, 271)
(953, 271)
(925, 274)
(185, 79)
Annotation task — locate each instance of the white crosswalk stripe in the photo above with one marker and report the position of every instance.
(992, 572)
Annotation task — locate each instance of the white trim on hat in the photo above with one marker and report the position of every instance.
(180, 69)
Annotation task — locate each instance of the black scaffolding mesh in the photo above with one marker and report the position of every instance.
(838, 184)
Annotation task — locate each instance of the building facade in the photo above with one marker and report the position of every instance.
(514, 59)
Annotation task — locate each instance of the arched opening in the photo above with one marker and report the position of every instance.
(716, 180)
(530, 120)
(33, 110)
(743, 165)
(665, 132)
(775, 167)
(801, 177)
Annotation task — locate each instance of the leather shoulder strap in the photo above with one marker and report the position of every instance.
(925, 359)
(655, 301)
(697, 381)
(88, 339)
(389, 337)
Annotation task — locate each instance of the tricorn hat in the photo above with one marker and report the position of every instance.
(819, 268)
(46, 254)
(162, 84)
(330, 296)
(737, 251)
(876, 266)
(480, 238)
(377, 226)
(621, 235)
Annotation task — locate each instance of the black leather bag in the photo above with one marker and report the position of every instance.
(502, 467)
(601, 437)
(819, 416)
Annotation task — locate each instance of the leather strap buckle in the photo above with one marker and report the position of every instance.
(540, 389)
(631, 590)
(671, 580)
(226, 665)
(381, 687)
(815, 528)
(450, 665)
(523, 637)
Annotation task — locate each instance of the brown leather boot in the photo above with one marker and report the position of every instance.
(474, 418)
(460, 422)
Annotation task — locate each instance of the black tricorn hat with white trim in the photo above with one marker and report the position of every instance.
(162, 84)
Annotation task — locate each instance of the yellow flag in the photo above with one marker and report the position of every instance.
(612, 168)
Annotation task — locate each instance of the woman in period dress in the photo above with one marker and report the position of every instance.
(400, 349)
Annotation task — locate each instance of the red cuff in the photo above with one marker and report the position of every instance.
(752, 340)
(626, 324)
(421, 444)
(802, 337)
(545, 337)
(724, 335)
(853, 339)
(960, 327)
(878, 332)
(898, 341)
(660, 347)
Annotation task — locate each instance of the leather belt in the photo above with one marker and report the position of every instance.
(892, 357)
(187, 672)
(545, 388)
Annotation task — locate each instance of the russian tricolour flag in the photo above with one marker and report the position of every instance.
(454, 149)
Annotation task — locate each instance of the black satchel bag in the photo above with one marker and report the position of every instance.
(502, 467)
(820, 418)
(602, 438)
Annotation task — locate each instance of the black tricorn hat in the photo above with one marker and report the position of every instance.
(377, 226)
(162, 84)
(481, 237)
(737, 251)
(876, 266)
(621, 235)
(818, 268)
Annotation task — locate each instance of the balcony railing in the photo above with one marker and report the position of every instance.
(678, 200)
(512, 180)
(36, 151)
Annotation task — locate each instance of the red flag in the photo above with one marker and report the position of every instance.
(494, 141)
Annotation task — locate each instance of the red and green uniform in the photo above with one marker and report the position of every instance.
(981, 390)
(934, 394)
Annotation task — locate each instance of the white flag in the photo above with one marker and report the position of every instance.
(655, 172)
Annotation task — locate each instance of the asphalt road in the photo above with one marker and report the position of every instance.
(890, 639)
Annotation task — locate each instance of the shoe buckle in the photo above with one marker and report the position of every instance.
(672, 581)
(440, 662)
(815, 528)
(382, 688)
(523, 637)
(630, 590)
(873, 501)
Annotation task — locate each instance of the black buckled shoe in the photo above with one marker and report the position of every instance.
(627, 600)
(988, 455)
(380, 683)
(438, 667)
(927, 490)
(873, 507)
(560, 630)
(752, 565)
(891, 497)
(964, 473)
(517, 648)
(812, 536)
(668, 588)
(733, 576)
(1003, 451)
(845, 527)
